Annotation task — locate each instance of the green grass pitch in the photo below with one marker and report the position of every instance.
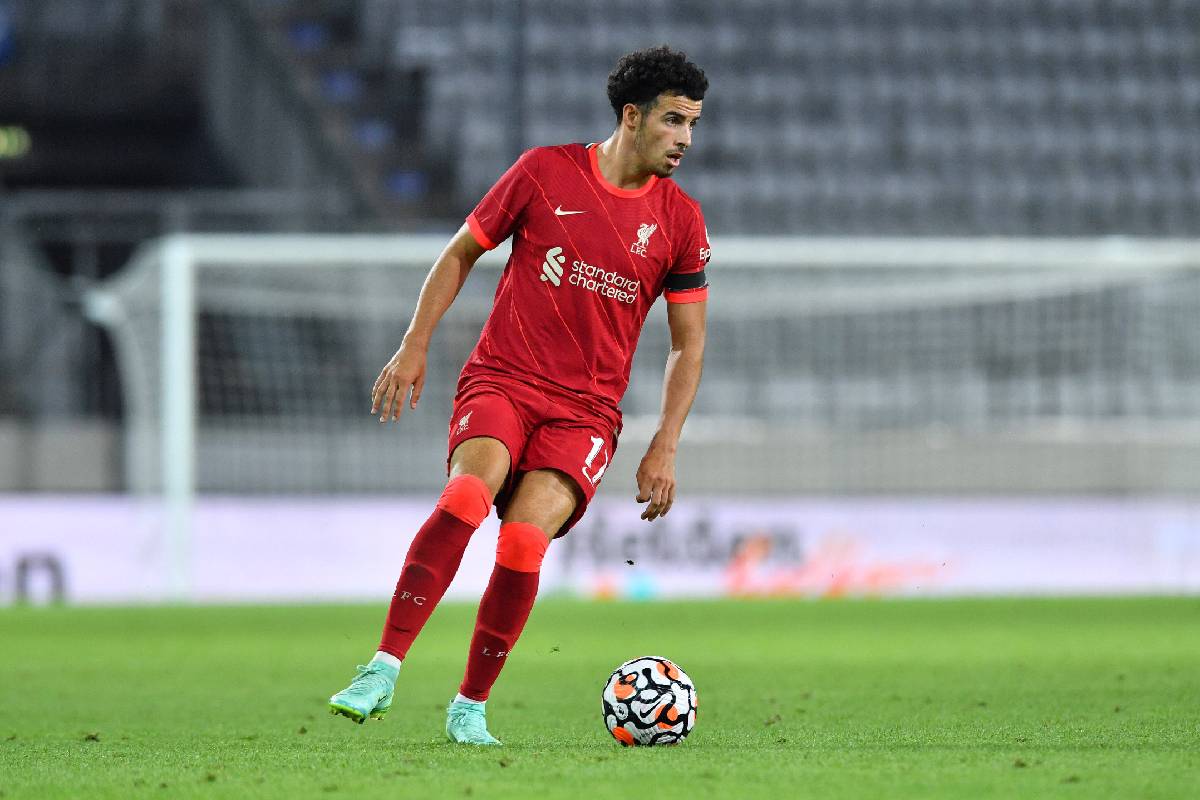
(822, 699)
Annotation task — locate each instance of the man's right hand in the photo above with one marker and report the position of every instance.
(405, 370)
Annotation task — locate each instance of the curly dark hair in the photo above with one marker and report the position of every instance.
(642, 76)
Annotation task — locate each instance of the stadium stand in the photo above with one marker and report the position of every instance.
(1069, 117)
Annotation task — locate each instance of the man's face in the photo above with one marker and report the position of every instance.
(665, 132)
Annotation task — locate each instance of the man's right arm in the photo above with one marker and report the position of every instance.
(406, 369)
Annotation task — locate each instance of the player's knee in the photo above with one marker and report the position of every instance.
(467, 498)
(521, 547)
(484, 457)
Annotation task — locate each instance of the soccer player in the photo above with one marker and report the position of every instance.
(599, 232)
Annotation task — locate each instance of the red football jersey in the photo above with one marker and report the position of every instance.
(588, 261)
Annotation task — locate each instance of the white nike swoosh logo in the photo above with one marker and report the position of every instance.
(559, 212)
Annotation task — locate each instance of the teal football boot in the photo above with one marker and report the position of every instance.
(465, 724)
(368, 695)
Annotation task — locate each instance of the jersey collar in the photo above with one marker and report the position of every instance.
(593, 159)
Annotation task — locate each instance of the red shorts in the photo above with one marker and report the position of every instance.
(539, 431)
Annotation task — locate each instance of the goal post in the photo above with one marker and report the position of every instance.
(152, 312)
(834, 366)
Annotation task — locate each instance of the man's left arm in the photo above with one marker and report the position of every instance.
(656, 473)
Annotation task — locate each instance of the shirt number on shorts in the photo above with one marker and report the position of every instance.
(597, 443)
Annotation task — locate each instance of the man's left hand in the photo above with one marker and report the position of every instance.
(656, 481)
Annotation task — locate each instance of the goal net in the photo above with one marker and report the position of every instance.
(983, 366)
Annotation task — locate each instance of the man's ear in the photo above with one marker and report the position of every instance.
(631, 116)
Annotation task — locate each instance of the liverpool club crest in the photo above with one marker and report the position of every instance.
(644, 233)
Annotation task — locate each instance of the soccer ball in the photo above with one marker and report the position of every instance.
(648, 701)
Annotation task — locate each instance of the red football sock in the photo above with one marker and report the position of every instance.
(433, 559)
(505, 606)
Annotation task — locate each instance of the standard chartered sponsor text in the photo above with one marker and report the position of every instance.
(604, 283)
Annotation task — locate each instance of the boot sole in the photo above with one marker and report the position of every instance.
(354, 714)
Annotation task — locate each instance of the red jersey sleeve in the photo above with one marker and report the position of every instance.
(500, 211)
(686, 281)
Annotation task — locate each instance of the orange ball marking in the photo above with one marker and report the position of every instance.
(672, 717)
